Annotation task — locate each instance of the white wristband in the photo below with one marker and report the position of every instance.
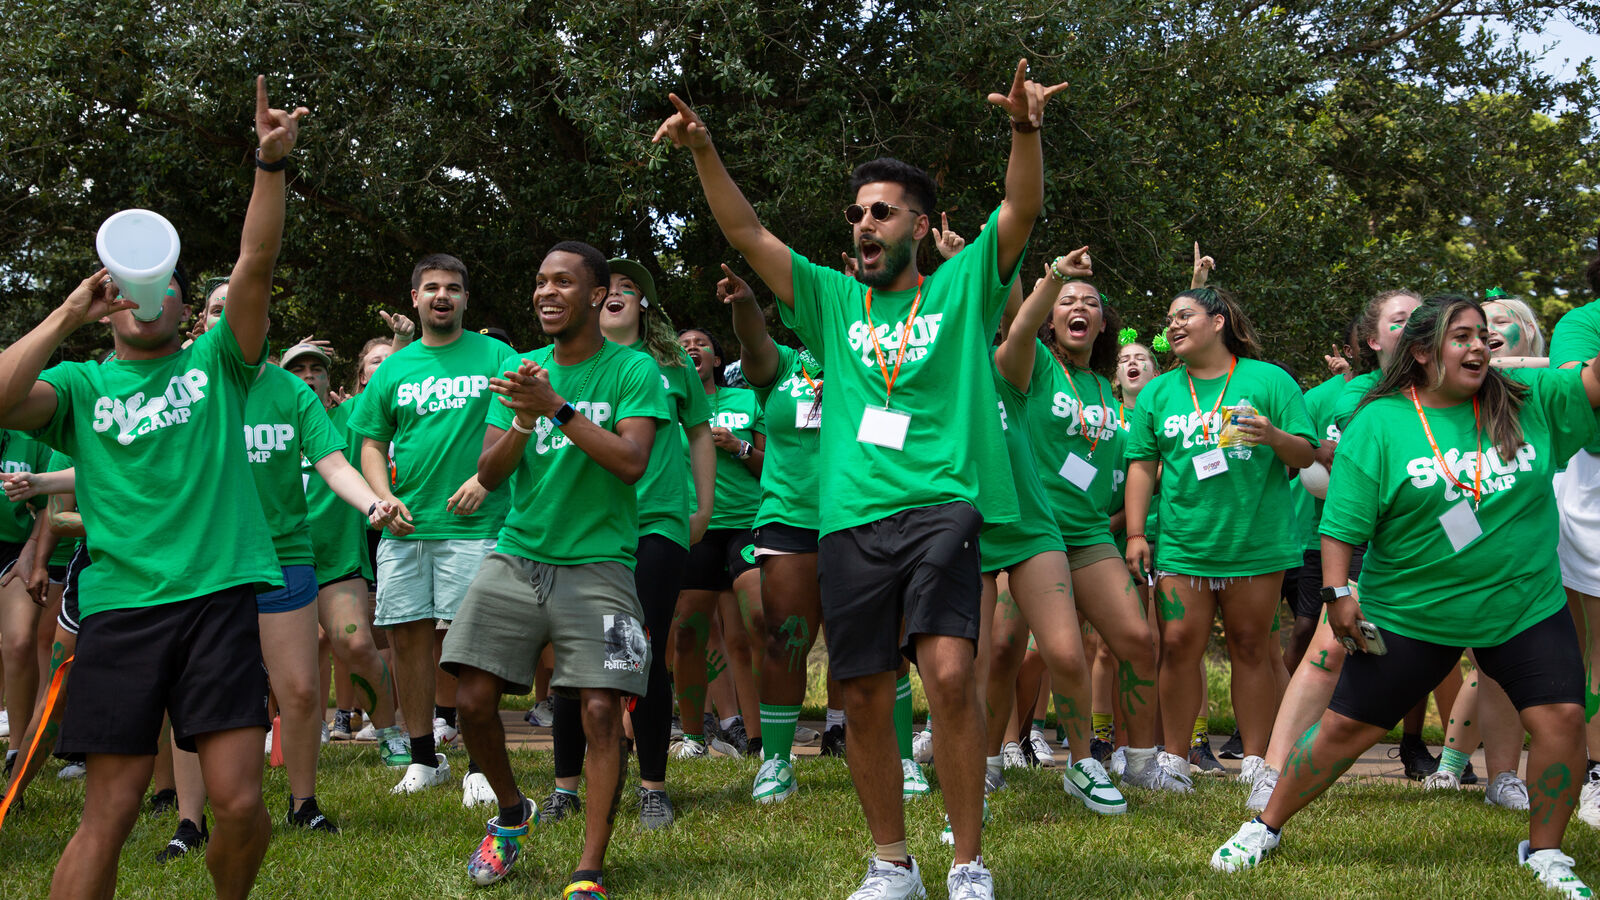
(516, 427)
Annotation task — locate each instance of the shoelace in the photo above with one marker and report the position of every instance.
(653, 803)
(877, 881)
(965, 877)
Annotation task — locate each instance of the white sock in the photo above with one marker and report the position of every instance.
(835, 717)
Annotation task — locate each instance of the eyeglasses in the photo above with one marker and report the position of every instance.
(1181, 319)
(880, 210)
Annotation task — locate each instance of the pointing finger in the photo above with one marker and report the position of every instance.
(261, 96)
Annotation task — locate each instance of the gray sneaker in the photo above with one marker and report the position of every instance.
(993, 780)
(557, 806)
(1508, 791)
(655, 809)
(1261, 788)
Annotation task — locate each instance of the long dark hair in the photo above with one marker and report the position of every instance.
(1238, 335)
(1499, 398)
(1103, 354)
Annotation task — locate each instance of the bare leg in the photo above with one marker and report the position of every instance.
(1043, 591)
(1186, 613)
(341, 608)
(602, 728)
(479, 692)
(238, 841)
(414, 670)
(1555, 770)
(19, 628)
(949, 678)
(113, 791)
(691, 632)
(875, 754)
(1307, 697)
(1107, 598)
(1323, 753)
(62, 647)
(289, 647)
(1249, 609)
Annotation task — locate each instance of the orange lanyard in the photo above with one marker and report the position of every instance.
(1083, 422)
(905, 338)
(816, 388)
(1204, 426)
(1477, 425)
(1122, 415)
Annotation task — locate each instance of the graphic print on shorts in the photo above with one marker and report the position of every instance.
(626, 646)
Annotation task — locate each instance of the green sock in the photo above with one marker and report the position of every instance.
(1104, 728)
(1453, 761)
(1038, 725)
(777, 730)
(902, 715)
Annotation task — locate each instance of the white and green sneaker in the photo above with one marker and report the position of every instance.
(394, 748)
(1087, 780)
(774, 782)
(915, 784)
(948, 837)
(1554, 870)
(1248, 847)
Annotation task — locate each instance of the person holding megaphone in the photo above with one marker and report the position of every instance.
(155, 432)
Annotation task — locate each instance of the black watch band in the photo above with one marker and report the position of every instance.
(263, 165)
(1332, 594)
(565, 414)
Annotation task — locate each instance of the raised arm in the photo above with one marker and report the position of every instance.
(250, 285)
(734, 214)
(27, 403)
(1014, 356)
(758, 355)
(1025, 171)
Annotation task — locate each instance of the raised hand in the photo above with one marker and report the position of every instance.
(325, 346)
(1337, 364)
(399, 323)
(683, 128)
(527, 392)
(1026, 100)
(850, 264)
(948, 242)
(95, 298)
(1202, 268)
(733, 289)
(276, 129)
(1076, 264)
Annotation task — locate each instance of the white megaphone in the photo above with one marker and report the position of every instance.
(140, 248)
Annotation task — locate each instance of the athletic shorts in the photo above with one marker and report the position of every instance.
(68, 617)
(298, 592)
(1089, 554)
(58, 574)
(721, 556)
(778, 539)
(1306, 601)
(197, 660)
(9, 554)
(356, 573)
(1540, 665)
(589, 613)
(884, 583)
(425, 579)
(1578, 498)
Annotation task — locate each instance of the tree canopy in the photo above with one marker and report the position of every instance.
(1321, 151)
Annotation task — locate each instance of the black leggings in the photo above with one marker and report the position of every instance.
(656, 578)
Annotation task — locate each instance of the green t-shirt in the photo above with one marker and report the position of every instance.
(1034, 532)
(952, 450)
(431, 403)
(19, 453)
(338, 530)
(666, 492)
(1078, 438)
(1320, 402)
(1389, 489)
(65, 547)
(1576, 339)
(566, 509)
(794, 438)
(165, 489)
(284, 421)
(1349, 399)
(738, 490)
(1233, 523)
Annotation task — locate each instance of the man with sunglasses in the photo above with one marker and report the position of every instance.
(912, 419)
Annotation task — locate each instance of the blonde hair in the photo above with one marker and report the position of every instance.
(1523, 313)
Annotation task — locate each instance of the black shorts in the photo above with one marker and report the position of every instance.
(1540, 665)
(9, 554)
(197, 660)
(345, 577)
(58, 574)
(68, 617)
(885, 582)
(778, 539)
(721, 556)
(1307, 601)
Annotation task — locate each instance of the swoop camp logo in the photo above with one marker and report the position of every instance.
(143, 413)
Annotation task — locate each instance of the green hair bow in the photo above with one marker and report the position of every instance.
(1160, 344)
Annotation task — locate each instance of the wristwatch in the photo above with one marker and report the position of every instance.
(564, 414)
(1332, 594)
(744, 450)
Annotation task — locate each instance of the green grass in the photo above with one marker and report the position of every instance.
(1362, 840)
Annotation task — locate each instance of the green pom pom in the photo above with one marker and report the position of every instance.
(1127, 336)
(1160, 344)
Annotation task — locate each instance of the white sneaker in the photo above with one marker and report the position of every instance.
(369, 732)
(1554, 870)
(1087, 780)
(543, 714)
(1261, 788)
(72, 771)
(922, 746)
(1508, 791)
(1248, 847)
(1119, 761)
(443, 734)
(774, 782)
(1440, 780)
(804, 735)
(688, 749)
(1248, 767)
(1011, 756)
(948, 836)
(1042, 754)
(1147, 769)
(1589, 803)
(887, 881)
(914, 784)
(267, 749)
(324, 734)
(970, 881)
(5, 724)
(419, 777)
(475, 791)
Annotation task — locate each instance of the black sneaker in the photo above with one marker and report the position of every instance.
(1101, 750)
(730, 741)
(1028, 755)
(1414, 755)
(1234, 748)
(655, 809)
(833, 741)
(309, 818)
(557, 806)
(164, 801)
(185, 839)
(1201, 758)
(754, 748)
(1468, 776)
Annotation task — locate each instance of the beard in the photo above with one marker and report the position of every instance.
(896, 257)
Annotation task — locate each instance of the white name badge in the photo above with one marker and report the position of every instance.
(884, 427)
(1460, 525)
(1210, 463)
(807, 414)
(1079, 471)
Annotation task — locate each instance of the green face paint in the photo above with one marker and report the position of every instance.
(1301, 764)
(797, 640)
(350, 629)
(1512, 333)
(1169, 606)
(716, 664)
(1553, 787)
(58, 655)
(1128, 685)
(1321, 661)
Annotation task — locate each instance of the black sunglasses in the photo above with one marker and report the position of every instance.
(880, 210)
